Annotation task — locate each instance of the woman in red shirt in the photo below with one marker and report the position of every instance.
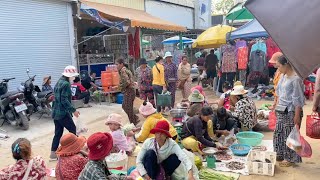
(72, 157)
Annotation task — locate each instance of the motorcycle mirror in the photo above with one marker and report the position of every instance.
(28, 70)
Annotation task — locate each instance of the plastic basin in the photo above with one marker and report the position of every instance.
(240, 149)
(250, 138)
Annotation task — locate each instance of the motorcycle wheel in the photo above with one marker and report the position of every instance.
(24, 124)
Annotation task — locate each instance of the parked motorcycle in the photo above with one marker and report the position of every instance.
(40, 100)
(12, 109)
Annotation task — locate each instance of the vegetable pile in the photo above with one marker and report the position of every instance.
(208, 174)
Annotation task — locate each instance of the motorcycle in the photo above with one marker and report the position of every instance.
(12, 109)
(40, 100)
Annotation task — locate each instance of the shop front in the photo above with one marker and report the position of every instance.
(38, 35)
(110, 32)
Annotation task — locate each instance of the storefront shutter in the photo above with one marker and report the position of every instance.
(34, 34)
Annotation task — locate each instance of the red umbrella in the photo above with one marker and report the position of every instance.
(293, 25)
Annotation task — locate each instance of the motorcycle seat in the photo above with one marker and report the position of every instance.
(8, 94)
(43, 94)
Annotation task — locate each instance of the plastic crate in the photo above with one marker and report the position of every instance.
(261, 168)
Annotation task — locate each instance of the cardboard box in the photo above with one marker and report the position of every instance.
(263, 167)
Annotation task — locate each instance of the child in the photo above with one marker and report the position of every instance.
(120, 141)
(224, 100)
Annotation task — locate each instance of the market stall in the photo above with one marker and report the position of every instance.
(250, 30)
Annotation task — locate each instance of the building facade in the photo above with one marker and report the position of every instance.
(36, 34)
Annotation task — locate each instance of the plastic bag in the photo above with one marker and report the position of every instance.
(228, 140)
(203, 75)
(313, 126)
(118, 161)
(297, 143)
(80, 126)
(272, 120)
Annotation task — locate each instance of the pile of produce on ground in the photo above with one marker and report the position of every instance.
(233, 165)
(222, 156)
(208, 174)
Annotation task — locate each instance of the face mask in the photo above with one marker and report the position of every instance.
(71, 79)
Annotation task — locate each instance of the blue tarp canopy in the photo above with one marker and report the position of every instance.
(252, 29)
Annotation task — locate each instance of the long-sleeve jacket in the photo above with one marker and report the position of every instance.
(184, 71)
(126, 79)
(199, 129)
(150, 123)
(170, 147)
(62, 99)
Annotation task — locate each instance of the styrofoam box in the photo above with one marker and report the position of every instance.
(261, 168)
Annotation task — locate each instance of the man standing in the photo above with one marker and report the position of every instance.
(62, 108)
(171, 76)
(211, 65)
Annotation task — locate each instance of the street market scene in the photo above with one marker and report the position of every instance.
(159, 90)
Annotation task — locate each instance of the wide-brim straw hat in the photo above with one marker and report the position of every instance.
(196, 96)
(70, 144)
(238, 90)
(46, 79)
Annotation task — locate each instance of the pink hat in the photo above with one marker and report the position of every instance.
(275, 57)
(114, 118)
(199, 88)
(147, 109)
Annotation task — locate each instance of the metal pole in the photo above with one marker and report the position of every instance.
(181, 44)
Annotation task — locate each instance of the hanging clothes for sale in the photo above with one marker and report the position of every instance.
(242, 56)
(229, 59)
(259, 45)
(258, 68)
(241, 43)
(271, 48)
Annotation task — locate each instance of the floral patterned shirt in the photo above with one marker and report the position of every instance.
(17, 171)
(70, 167)
(229, 60)
(144, 78)
(126, 79)
(246, 112)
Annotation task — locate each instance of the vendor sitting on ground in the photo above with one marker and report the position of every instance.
(224, 100)
(21, 152)
(195, 131)
(152, 117)
(200, 89)
(196, 97)
(100, 145)
(243, 108)
(223, 122)
(165, 152)
(72, 156)
(79, 92)
(120, 141)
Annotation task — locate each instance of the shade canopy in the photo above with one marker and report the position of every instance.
(176, 39)
(239, 12)
(213, 37)
(252, 29)
(137, 18)
(296, 36)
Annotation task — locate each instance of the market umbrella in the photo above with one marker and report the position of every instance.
(176, 39)
(213, 37)
(239, 12)
(252, 29)
(293, 27)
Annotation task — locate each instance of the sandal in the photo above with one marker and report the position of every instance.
(285, 164)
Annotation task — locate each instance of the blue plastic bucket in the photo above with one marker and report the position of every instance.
(119, 99)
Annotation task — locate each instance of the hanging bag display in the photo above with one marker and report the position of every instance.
(313, 126)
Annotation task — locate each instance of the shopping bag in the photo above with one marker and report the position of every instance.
(297, 143)
(313, 126)
(80, 126)
(118, 161)
(164, 99)
(272, 120)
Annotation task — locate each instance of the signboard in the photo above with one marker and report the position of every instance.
(203, 14)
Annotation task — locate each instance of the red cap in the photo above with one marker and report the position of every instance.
(100, 145)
